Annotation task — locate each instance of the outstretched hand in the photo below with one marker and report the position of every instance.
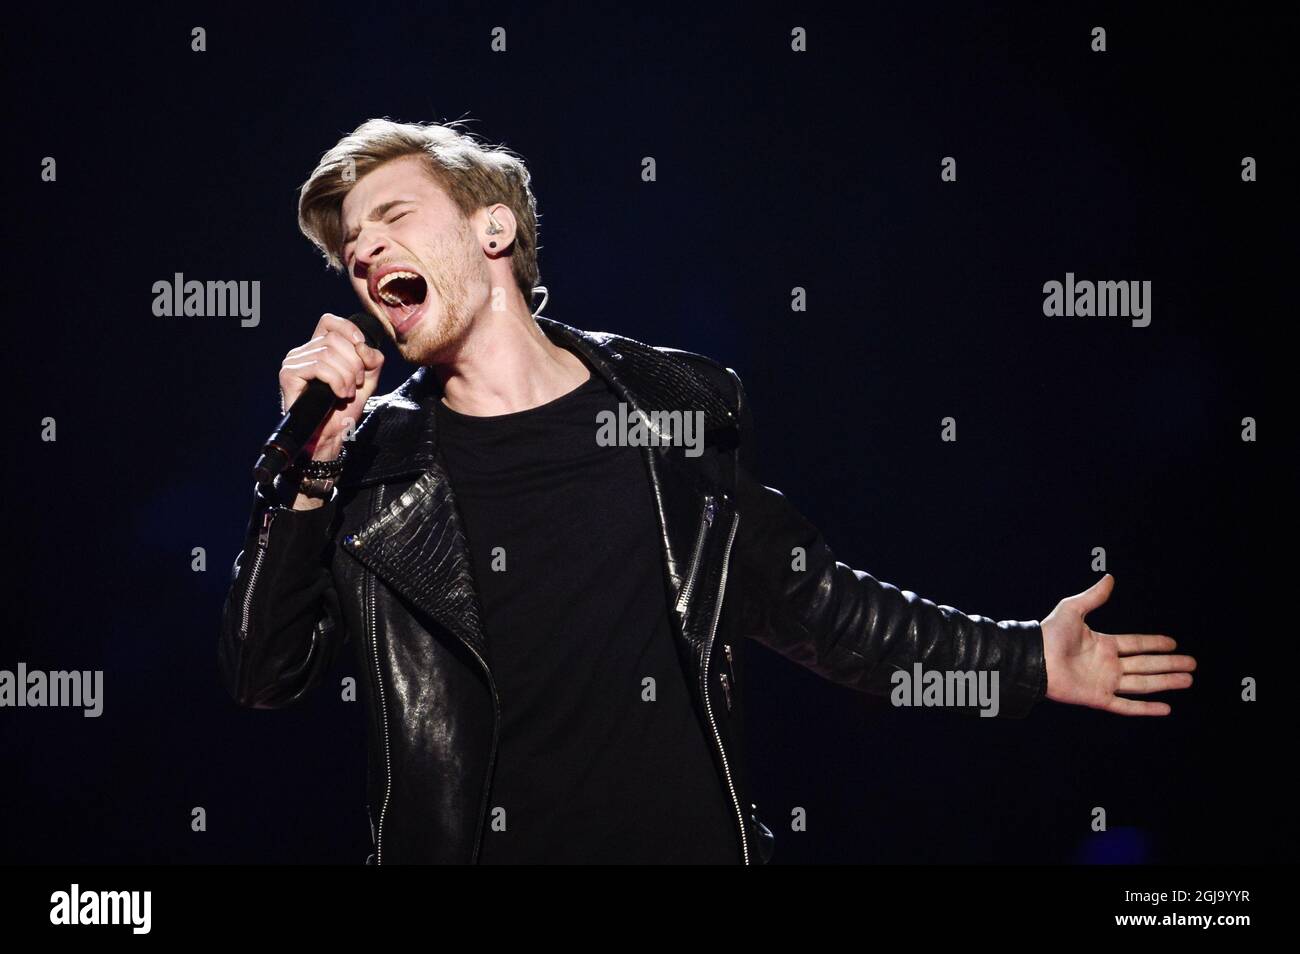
(1087, 668)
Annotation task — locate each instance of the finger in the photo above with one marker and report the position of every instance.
(372, 358)
(314, 369)
(1131, 643)
(1161, 683)
(320, 364)
(346, 352)
(1093, 596)
(343, 363)
(1156, 664)
(337, 354)
(1132, 707)
(347, 329)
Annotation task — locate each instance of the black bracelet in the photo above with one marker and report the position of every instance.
(325, 468)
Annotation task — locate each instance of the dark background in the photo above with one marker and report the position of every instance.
(775, 169)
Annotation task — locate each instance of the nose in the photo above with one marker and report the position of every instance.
(369, 249)
(370, 246)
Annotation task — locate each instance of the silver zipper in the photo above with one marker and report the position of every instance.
(726, 688)
(713, 724)
(492, 755)
(263, 535)
(706, 517)
(383, 702)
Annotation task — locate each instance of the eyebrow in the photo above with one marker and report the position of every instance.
(377, 213)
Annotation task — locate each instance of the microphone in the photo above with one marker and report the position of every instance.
(307, 413)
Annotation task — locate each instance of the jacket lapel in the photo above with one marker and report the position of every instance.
(647, 381)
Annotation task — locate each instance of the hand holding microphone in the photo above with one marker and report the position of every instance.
(325, 384)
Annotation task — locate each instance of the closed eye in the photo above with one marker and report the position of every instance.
(347, 255)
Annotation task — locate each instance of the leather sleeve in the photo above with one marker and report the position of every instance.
(851, 628)
(281, 628)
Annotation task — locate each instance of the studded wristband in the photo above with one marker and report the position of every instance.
(325, 468)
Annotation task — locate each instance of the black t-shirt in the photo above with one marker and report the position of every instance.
(568, 565)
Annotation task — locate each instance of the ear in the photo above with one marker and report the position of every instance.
(505, 219)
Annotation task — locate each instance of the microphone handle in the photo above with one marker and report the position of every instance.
(307, 413)
(297, 426)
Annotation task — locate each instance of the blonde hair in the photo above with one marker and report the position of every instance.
(474, 174)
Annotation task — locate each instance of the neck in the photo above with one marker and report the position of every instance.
(507, 364)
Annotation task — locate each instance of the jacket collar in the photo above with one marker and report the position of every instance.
(398, 436)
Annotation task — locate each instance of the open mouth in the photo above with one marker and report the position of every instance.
(400, 292)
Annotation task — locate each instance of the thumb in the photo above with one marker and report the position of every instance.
(1095, 595)
(371, 358)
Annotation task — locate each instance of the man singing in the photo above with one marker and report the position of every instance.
(550, 624)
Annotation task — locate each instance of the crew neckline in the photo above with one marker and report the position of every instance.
(592, 383)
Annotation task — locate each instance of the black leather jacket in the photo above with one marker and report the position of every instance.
(384, 564)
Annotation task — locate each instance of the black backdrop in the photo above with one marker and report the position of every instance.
(775, 169)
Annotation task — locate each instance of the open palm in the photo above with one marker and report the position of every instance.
(1088, 668)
